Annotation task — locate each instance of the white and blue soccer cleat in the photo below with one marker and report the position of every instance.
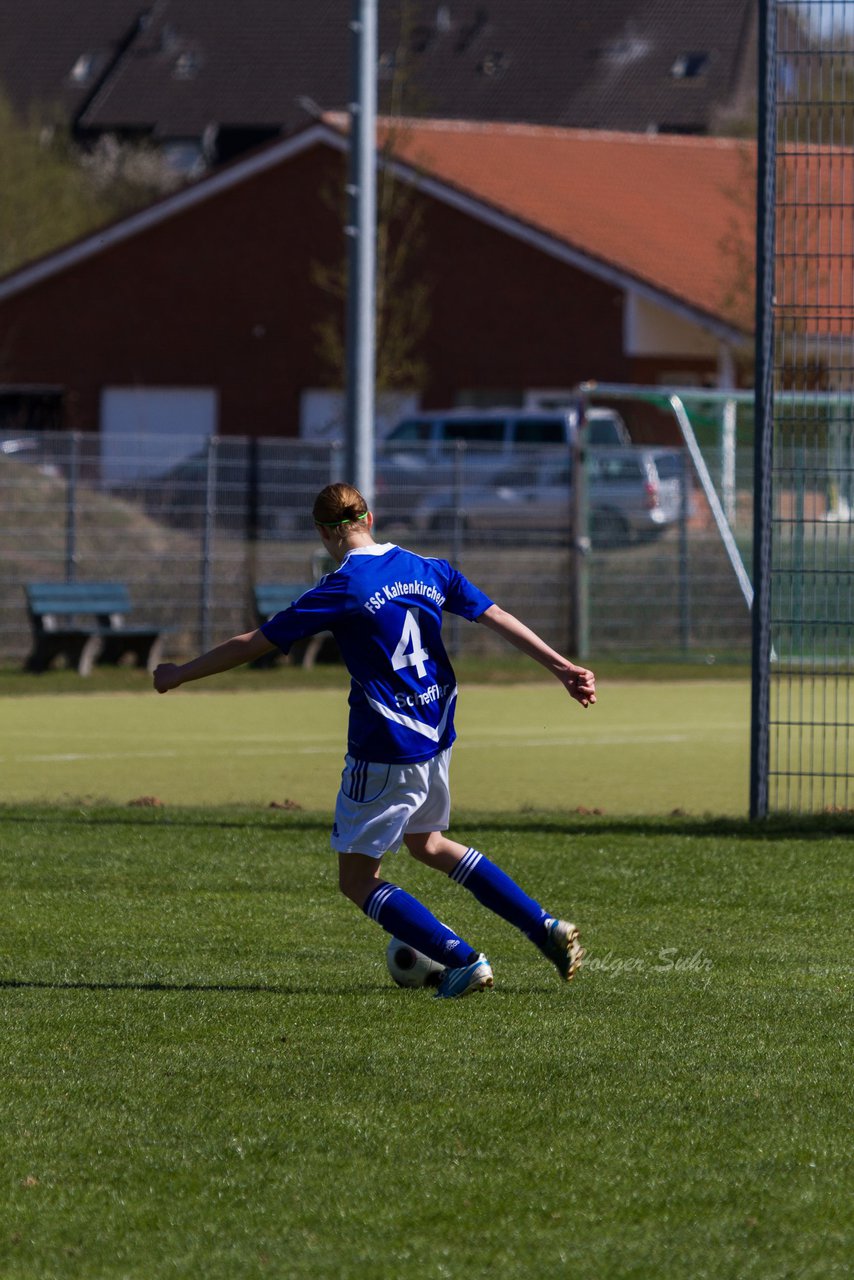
(476, 976)
(563, 948)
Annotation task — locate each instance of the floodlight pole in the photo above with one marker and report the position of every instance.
(362, 232)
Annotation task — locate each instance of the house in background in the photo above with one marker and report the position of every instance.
(548, 257)
(206, 80)
(540, 273)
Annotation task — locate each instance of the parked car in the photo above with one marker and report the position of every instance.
(427, 449)
(434, 437)
(606, 429)
(633, 493)
(268, 489)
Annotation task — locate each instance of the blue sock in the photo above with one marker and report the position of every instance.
(495, 890)
(405, 918)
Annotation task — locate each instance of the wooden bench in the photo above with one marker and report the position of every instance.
(271, 598)
(57, 613)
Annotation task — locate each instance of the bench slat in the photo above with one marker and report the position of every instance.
(273, 597)
(106, 639)
(78, 597)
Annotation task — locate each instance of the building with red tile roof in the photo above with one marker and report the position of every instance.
(666, 212)
(547, 257)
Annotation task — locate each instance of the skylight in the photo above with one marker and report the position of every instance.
(688, 66)
(186, 65)
(81, 72)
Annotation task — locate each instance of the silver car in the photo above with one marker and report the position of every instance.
(634, 494)
(471, 446)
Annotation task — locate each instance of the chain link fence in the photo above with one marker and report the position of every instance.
(192, 540)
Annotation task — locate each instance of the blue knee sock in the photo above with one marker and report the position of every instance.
(405, 918)
(494, 889)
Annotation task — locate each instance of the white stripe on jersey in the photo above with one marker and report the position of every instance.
(417, 726)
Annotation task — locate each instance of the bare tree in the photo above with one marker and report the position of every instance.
(51, 192)
(45, 198)
(402, 288)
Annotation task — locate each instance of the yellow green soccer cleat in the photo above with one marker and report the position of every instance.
(563, 948)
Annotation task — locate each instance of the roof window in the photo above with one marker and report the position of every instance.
(469, 34)
(83, 70)
(494, 64)
(186, 66)
(626, 49)
(690, 66)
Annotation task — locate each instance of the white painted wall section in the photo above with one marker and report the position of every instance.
(147, 430)
(653, 330)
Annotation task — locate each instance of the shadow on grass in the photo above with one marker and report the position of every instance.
(777, 827)
(26, 984)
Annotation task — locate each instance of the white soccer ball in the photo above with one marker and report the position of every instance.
(411, 968)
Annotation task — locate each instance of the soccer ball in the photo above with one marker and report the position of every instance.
(411, 968)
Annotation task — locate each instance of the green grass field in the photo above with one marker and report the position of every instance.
(207, 1072)
(645, 748)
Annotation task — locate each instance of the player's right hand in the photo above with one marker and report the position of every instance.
(166, 677)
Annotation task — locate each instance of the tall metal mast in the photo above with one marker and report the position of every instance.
(361, 230)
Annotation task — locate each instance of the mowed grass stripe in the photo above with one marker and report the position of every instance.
(644, 748)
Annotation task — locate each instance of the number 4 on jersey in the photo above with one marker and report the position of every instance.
(415, 655)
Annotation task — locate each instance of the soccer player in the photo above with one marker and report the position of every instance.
(384, 606)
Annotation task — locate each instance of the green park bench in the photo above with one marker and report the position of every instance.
(271, 598)
(84, 623)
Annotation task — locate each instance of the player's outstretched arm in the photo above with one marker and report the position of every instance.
(231, 653)
(578, 681)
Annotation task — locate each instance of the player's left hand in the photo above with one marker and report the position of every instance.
(581, 685)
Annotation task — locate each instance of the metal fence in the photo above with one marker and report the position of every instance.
(802, 750)
(193, 538)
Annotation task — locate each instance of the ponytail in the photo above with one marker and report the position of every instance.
(339, 505)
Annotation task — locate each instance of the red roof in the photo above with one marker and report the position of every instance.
(672, 216)
(675, 213)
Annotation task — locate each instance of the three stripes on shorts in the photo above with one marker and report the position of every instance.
(358, 780)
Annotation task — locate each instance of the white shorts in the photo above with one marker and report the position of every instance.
(379, 803)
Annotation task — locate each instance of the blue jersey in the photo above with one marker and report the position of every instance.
(384, 607)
